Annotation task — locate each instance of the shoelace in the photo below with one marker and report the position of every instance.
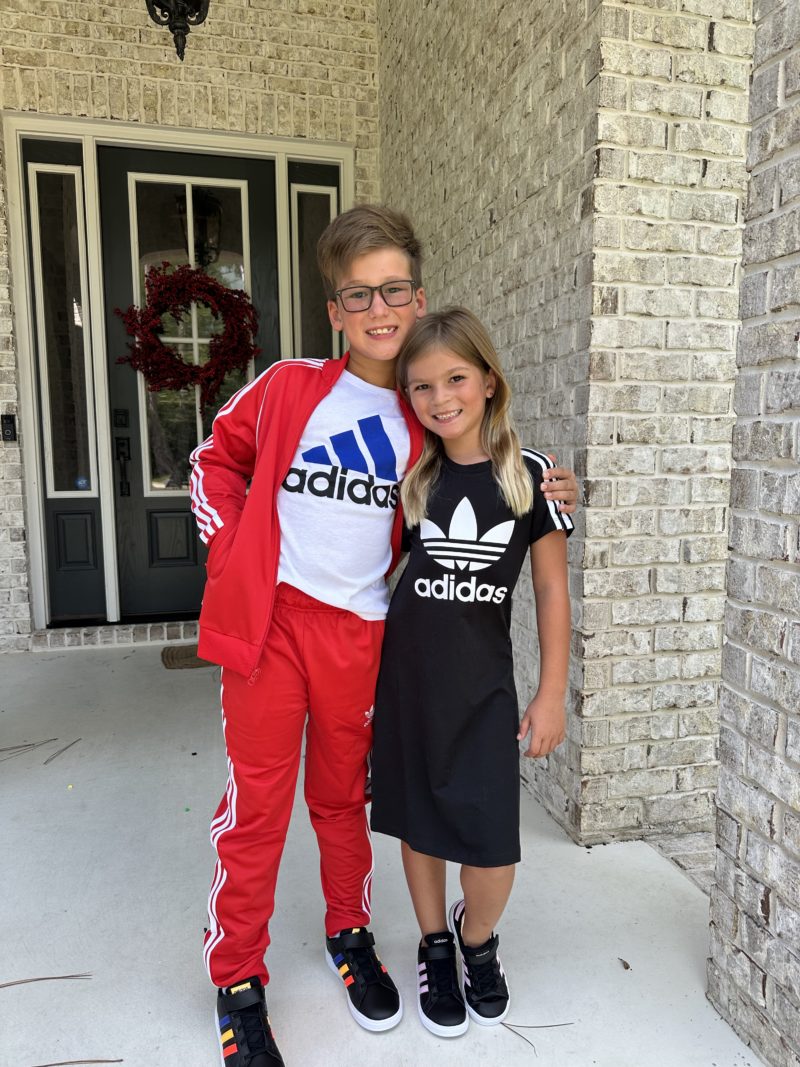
(485, 979)
(442, 978)
(363, 964)
(254, 1029)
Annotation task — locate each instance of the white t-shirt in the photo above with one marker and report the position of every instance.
(337, 504)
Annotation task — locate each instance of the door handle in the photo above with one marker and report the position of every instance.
(122, 454)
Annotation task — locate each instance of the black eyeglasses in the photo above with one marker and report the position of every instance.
(393, 294)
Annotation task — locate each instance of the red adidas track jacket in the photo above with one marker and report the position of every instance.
(254, 439)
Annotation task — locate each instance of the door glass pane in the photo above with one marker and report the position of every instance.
(161, 235)
(172, 435)
(218, 243)
(233, 381)
(214, 217)
(313, 215)
(63, 337)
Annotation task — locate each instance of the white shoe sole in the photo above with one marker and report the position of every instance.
(375, 1026)
(219, 1043)
(480, 1019)
(441, 1031)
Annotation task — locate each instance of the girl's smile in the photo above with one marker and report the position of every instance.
(448, 395)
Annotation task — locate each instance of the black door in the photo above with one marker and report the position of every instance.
(210, 211)
(67, 461)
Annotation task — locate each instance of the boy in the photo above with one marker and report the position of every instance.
(293, 611)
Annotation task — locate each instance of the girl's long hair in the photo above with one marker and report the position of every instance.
(460, 332)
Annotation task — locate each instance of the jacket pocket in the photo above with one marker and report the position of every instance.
(219, 551)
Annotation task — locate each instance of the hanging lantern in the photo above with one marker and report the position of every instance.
(207, 219)
(178, 16)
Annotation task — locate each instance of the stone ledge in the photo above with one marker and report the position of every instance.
(114, 634)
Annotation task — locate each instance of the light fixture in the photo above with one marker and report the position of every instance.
(178, 16)
(207, 219)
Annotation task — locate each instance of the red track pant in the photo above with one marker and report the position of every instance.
(319, 666)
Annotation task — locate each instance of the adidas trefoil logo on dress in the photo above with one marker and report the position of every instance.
(462, 549)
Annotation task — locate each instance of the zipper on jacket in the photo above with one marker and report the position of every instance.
(257, 671)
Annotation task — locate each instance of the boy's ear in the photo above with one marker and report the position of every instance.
(334, 315)
(422, 302)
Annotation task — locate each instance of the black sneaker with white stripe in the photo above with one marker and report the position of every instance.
(483, 979)
(439, 1000)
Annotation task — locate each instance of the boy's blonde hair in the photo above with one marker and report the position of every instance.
(460, 332)
(365, 228)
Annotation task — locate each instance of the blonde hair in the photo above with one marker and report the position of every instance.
(459, 331)
(362, 229)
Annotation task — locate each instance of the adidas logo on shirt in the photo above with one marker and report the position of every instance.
(376, 457)
(462, 549)
(370, 453)
(336, 484)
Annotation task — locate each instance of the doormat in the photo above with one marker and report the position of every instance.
(182, 657)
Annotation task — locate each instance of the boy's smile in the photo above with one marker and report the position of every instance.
(375, 335)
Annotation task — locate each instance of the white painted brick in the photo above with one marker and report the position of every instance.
(667, 100)
(758, 781)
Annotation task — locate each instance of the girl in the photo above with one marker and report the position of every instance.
(446, 755)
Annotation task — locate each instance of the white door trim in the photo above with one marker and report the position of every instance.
(319, 190)
(91, 133)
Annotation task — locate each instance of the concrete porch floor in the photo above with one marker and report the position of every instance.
(107, 866)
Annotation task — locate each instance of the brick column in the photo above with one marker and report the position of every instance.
(667, 204)
(754, 970)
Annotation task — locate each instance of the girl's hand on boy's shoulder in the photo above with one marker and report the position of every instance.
(545, 721)
(561, 485)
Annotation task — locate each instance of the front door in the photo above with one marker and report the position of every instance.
(111, 533)
(217, 213)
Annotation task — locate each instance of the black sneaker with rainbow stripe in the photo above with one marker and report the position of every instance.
(483, 979)
(373, 998)
(243, 1027)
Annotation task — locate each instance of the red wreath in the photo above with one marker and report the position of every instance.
(172, 292)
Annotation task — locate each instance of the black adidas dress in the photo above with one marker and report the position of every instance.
(445, 762)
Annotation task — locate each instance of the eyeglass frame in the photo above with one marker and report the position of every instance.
(373, 289)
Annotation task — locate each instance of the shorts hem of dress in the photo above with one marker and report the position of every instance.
(451, 855)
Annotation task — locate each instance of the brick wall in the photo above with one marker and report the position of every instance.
(754, 970)
(578, 177)
(487, 140)
(15, 613)
(286, 68)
